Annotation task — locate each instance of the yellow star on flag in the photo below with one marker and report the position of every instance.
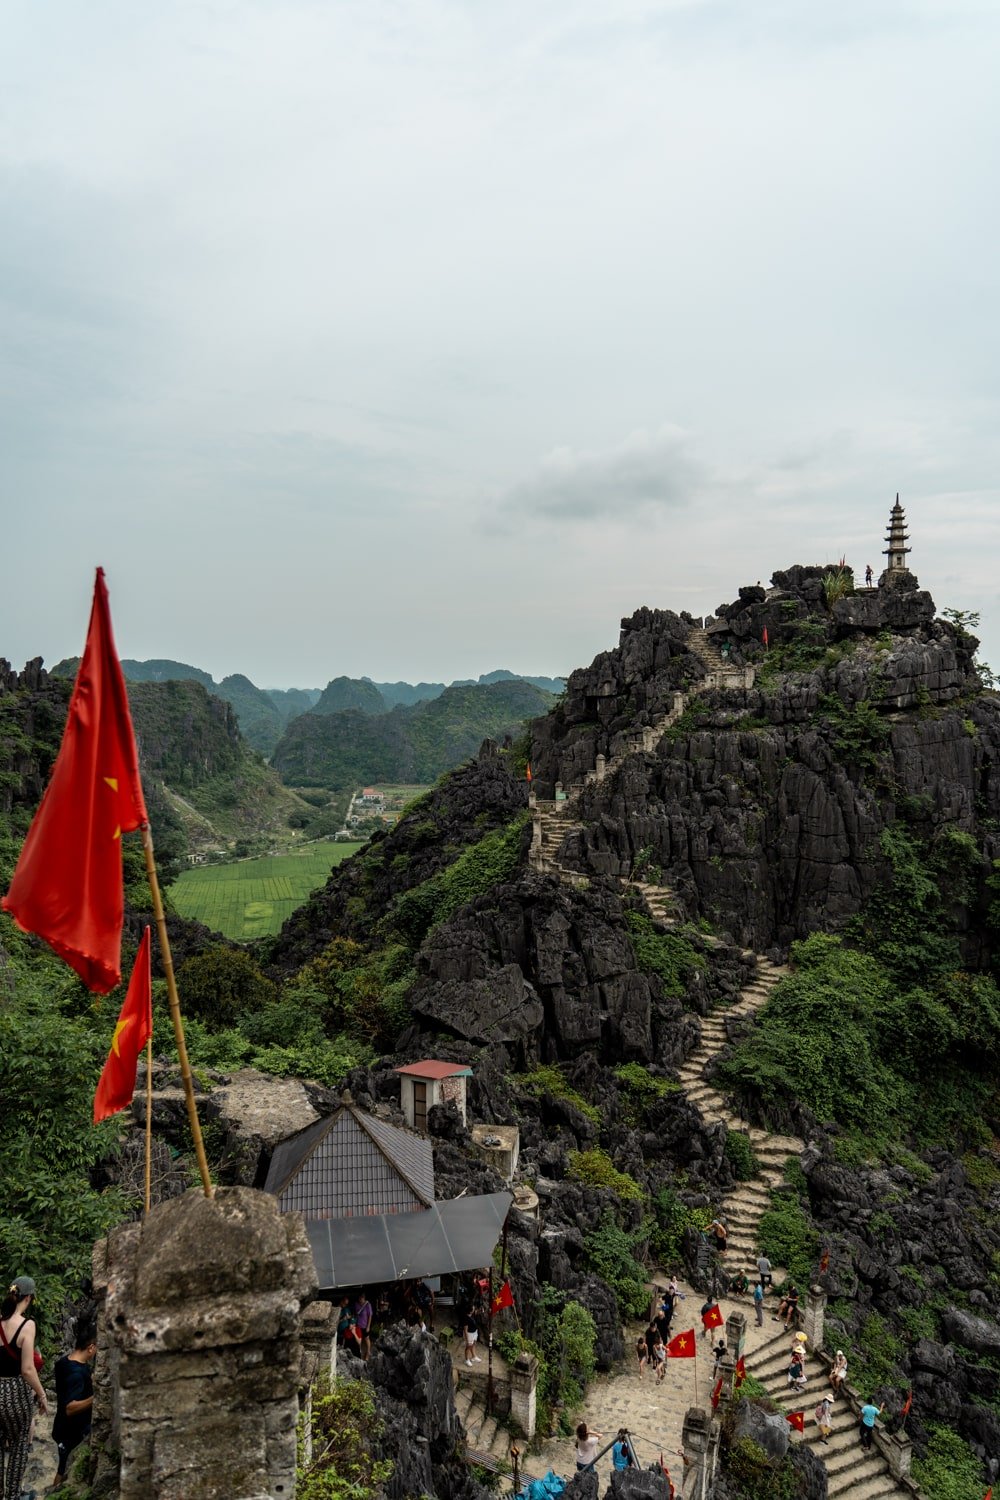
(112, 782)
(124, 1022)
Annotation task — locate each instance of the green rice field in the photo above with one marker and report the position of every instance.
(254, 897)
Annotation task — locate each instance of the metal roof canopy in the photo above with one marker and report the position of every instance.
(457, 1235)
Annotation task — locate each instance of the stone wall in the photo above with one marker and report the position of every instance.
(200, 1311)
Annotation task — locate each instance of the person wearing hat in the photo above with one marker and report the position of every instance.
(19, 1382)
(824, 1418)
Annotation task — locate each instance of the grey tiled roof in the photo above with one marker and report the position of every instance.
(352, 1164)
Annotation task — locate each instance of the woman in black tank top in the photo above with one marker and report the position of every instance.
(19, 1382)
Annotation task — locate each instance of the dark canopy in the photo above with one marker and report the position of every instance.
(458, 1235)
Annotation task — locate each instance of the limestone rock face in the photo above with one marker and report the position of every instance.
(768, 1430)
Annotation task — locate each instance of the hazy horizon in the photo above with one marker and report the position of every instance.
(407, 341)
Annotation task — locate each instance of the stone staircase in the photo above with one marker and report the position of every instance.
(484, 1436)
(851, 1470)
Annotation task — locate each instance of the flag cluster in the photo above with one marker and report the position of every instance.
(67, 886)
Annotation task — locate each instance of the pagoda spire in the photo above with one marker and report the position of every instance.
(897, 571)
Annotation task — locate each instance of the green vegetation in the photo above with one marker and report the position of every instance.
(344, 1427)
(254, 897)
(867, 1053)
(547, 1078)
(477, 870)
(611, 1252)
(564, 1343)
(669, 1221)
(876, 1356)
(671, 956)
(838, 583)
(787, 1236)
(640, 1091)
(417, 743)
(741, 1156)
(596, 1169)
(757, 1476)
(949, 1470)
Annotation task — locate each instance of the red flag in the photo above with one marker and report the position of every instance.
(712, 1317)
(134, 1029)
(527, 771)
(824, 1263)
(796, 1419)
(67, 886)
(503, 1298)
(682, 1346)
(741, 1372)
(989, 1494)
(717, 1394)
(907, 1403)
(764, 636)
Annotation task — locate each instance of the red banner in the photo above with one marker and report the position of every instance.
(133, 1031)
(67, 887)
(682, 1345)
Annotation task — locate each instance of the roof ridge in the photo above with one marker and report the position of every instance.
(366, 1127)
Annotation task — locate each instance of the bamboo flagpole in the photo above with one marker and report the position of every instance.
(175, 1012)
(149, 1123)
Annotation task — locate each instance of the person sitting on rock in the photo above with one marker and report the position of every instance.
(788, 1306)
(838, 1371)
(739, 1285)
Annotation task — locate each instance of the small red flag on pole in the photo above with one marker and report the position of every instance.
(741, 1372)
(503, 1298)
(67, 886)
(717, 1394)
(796, 1419)
(134, 1028)
(824, 1263)
(682, 1345)
(712, 1317)
(907, 1403)
(527, 771)
(764, 636)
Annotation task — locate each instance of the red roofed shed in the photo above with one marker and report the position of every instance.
(424, 1084)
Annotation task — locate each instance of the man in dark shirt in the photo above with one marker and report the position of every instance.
(74, 1397)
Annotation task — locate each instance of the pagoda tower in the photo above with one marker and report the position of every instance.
(897, 574)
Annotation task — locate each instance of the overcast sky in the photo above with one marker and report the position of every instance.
(416, 339)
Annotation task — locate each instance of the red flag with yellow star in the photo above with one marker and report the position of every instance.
(712, 1316)
(682, 1345)
(133, 1031)
(67, 886)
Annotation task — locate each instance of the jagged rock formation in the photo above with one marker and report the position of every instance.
(764, 804)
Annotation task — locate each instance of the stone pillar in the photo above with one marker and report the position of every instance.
(201, 1308)
(813, 1317)
(736, 1335)
(523, 1383)
(601, 766)
(898, 1450)
(696, 1441)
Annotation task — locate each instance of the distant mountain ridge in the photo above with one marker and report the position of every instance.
(416, 743)
(264, 713)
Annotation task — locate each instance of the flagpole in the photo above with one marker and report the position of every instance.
(175, 1009)
(149, 1120)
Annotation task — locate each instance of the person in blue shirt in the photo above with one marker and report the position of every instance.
(622, 1456)
(74, 1397)
(869, 1414)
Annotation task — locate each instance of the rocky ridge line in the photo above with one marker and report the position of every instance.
(864, 1475)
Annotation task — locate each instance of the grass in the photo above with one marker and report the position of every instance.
(254, 897)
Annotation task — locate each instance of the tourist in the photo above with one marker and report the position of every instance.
(758, 1303)
(718, 1231)
(720, 1353)
(18, 1382)
(869, 1415)
(74, 1396)
(641, 1353)
(622, 1456)
(659, 1358)
(788, 1306)
(587, 1444)
(838, 1371)
(651, 1335)
(425, 1301)
(824, 1418)
(363, 1321)
(470, 1329)
(868, 576)
(739, 1285)
(347, 1329)
(764, 1271)
(796, 1373)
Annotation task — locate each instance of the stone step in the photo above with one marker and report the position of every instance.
(487, 1432)
(463, 1402)
(857, 1465)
